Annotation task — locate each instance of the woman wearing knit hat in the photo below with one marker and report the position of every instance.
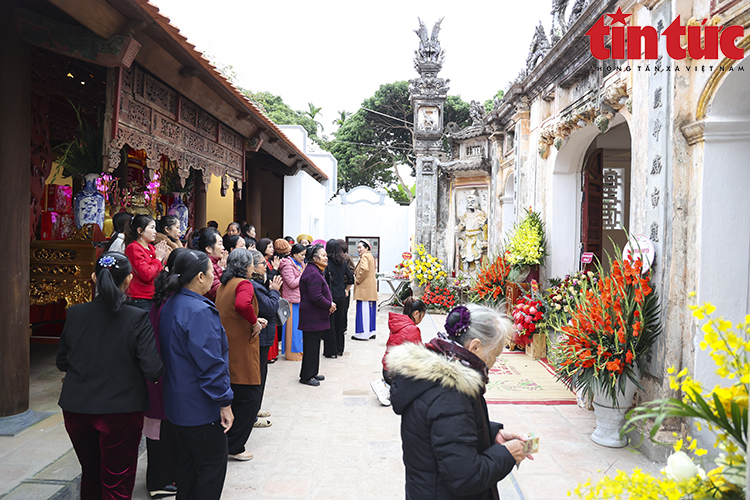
(365, 293)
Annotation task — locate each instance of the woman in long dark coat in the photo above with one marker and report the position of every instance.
(451, 449)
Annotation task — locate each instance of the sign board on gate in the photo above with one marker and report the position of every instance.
(639, 246)
(587, 257)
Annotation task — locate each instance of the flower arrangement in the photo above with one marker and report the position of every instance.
(614, 323)
(528, 317)
(722, 410)
(491, 281)
(403, 269)
(438, 296)
(563, 292)
(151, 193)
(106, 184)
(527, 246)
(425, 268)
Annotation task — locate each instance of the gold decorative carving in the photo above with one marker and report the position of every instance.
(55, 270)
(48, 291)
(714, 81)
(42, 254)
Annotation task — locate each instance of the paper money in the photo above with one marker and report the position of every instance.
(531, 445)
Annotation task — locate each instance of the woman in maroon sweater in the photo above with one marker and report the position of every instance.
(146, 259)
(315, 308)
(211, 242)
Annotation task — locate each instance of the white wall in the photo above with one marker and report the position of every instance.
(304, 197)
(366, 212)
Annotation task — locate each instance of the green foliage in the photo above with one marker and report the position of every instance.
(369, 145)
(400, 196)
(280, 113)
(82, 154)
(489, 104)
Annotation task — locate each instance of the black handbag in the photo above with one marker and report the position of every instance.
(284, 311)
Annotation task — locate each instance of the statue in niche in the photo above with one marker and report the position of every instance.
(472, 233)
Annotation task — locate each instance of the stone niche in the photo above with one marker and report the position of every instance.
(467, 233)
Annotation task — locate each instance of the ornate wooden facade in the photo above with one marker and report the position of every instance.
(151, 116)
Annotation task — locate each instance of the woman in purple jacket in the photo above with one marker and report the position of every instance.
(315, 307)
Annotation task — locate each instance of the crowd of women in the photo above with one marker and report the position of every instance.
(177, 341)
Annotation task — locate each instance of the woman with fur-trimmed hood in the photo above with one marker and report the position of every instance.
(451, 449)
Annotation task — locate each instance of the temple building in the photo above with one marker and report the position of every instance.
(638, 144)
(154, 118)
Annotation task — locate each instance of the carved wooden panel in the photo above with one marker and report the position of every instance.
(188, 113)
(134, 113)
(159, 94)
(230, 138)
(207, 125)
(167, 129)
(128, 77)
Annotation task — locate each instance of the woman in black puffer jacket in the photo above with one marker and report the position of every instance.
(451, 449)
(268, 304)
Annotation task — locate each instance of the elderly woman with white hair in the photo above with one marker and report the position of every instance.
(450, 447)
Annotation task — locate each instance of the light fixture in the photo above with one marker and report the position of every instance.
(70, 75)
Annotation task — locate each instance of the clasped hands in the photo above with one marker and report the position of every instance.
(513, 442)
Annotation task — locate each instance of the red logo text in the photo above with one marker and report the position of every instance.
(644, 40)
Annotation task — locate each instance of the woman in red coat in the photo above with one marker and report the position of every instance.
(146, 259)
(403, 328)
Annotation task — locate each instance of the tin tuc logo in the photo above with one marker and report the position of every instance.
(643, 41)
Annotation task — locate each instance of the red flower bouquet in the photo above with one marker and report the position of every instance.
(491, 281)
(528, 316)
(614, 324)
(440, 297)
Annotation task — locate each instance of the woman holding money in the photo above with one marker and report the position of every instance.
(451, 449)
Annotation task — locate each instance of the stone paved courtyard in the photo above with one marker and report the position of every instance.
(329, 442)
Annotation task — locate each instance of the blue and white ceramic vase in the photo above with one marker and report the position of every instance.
(88, 204)
(179, 210)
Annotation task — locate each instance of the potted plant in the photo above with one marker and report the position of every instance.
(527, 247)
(723, 410)
(602, 348)
(81, 157)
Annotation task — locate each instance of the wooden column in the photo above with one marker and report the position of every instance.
(15, 179)
(200, 202)
(254, 197)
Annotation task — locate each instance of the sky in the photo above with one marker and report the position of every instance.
(336, 54)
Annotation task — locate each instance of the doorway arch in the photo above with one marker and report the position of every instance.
(565, 221)
(507, 204)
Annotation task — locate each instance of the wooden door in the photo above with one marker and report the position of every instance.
(591, 206)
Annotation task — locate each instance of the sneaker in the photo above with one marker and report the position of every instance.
(169, 490)
(380, 388)
(242, 457)
(311, 382)
(264, 413)
(319, 377)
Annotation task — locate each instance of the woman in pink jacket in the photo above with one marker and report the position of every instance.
(291, 270)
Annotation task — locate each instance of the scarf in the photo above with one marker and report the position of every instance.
(453, 350)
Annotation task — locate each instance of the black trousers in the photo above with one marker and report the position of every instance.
(310, 354)
(245, 406)
(203, 461)
(163, 455)
(263, 371)
(345, 310)
(338, 323)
